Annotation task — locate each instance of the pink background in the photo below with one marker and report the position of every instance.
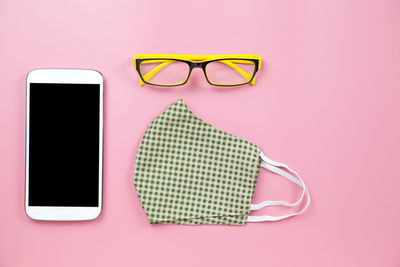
(326, 102)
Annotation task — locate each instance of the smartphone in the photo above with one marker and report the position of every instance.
(64, 144)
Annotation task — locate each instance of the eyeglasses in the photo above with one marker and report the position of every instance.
(175, 70)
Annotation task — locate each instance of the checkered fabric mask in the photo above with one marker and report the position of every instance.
(189, 172)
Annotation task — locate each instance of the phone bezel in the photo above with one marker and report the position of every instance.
(73, 76)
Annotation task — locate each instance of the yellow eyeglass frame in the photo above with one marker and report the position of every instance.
(196, 61)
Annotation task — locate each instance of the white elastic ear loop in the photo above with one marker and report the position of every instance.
(275, 167)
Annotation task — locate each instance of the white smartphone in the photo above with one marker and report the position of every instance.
(64, 144)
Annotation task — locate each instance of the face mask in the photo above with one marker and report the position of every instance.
(189, 172)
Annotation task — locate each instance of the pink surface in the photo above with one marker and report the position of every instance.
(326, 102)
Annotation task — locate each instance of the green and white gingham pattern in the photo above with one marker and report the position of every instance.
(189, 172)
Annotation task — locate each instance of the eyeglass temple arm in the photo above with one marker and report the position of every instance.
(229, 63)
(154, 71)
(239, 70)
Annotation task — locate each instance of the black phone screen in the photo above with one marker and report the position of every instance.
(64, 126)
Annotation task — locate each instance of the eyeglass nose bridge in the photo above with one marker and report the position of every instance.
(194, 65)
